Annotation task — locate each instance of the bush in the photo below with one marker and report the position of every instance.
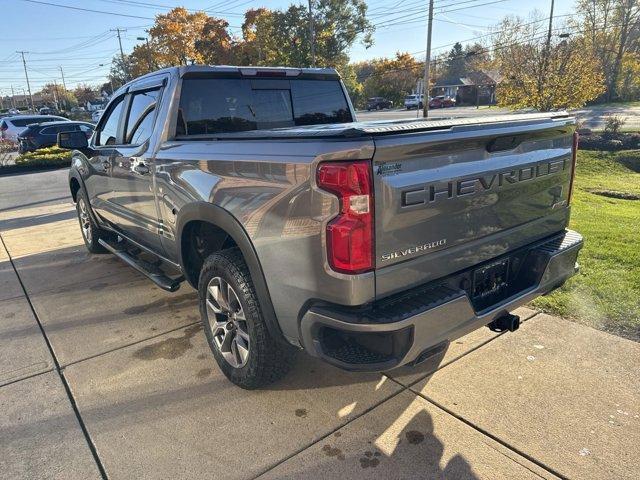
(610, 142)
(613, 145)
(613, 124)
(6, 148)
(45, 157)
(632, 142)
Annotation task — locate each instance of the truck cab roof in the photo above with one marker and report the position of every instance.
(243, 71)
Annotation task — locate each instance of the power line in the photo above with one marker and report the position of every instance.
(86, 9)
(493, 49)
(95, 40)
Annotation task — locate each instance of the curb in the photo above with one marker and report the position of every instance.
(22, 169)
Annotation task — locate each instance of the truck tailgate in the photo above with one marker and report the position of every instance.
(449, 199)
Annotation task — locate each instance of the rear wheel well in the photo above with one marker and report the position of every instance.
(199, 240)
(74, 184)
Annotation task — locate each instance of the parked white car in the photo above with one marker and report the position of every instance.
(413, 101)
(95, 116)
(11, 127)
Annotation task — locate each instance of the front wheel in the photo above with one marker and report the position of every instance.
(91, 233)
(236, 331)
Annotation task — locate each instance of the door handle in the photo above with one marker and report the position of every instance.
(141, 169)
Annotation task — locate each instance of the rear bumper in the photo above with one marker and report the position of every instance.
(410, 327)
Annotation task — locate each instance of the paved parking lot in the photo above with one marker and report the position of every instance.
(593, 117)
(103, 375)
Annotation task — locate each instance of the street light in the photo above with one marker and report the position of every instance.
(110, 80)
(149, 61)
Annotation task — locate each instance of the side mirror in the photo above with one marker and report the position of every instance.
(76, 140)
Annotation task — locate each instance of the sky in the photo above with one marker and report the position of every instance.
(83, 43)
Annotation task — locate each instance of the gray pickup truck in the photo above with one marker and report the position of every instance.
(370, 245)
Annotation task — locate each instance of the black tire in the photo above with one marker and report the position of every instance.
(93, 233)
(268, 360)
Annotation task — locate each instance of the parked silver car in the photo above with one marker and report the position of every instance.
(11, 127)
(413, 101)
(95, 116)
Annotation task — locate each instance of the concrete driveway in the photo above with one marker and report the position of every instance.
(103, 375)
(592, 117)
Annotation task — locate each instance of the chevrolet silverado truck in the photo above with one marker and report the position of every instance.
(370, 245)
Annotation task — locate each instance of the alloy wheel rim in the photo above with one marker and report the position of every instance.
(227, 322)
(85, 220)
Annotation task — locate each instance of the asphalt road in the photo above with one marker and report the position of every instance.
(31, 189)
(591, 117)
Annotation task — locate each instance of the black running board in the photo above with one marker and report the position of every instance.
(149, 270)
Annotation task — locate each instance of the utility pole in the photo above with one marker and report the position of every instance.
(548, 46)
(55, 95)
(59, 99)
(24, 63)
(312, 34)
(427, 62)
(64, 85)
(124, 63)
(547, 52)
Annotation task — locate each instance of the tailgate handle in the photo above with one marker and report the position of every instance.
(504, 143)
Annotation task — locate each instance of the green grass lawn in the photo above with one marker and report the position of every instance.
(606, 292)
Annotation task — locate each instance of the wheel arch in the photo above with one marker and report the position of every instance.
(75, 184)
(223, 220)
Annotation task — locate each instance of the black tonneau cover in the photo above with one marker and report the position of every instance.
(386, 127)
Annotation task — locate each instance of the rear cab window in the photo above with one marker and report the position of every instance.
(220, 105)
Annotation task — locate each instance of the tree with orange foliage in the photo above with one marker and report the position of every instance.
(174, 36)
(215, 44)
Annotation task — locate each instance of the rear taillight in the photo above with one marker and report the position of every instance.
(350, 244)
(574, 162)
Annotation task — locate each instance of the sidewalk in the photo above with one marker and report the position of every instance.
(103, 375)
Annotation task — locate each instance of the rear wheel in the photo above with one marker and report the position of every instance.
(236, 330)
(91, 233)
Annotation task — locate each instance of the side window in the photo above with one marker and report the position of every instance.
(108, 133)
(141, 116)
(57, 129)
